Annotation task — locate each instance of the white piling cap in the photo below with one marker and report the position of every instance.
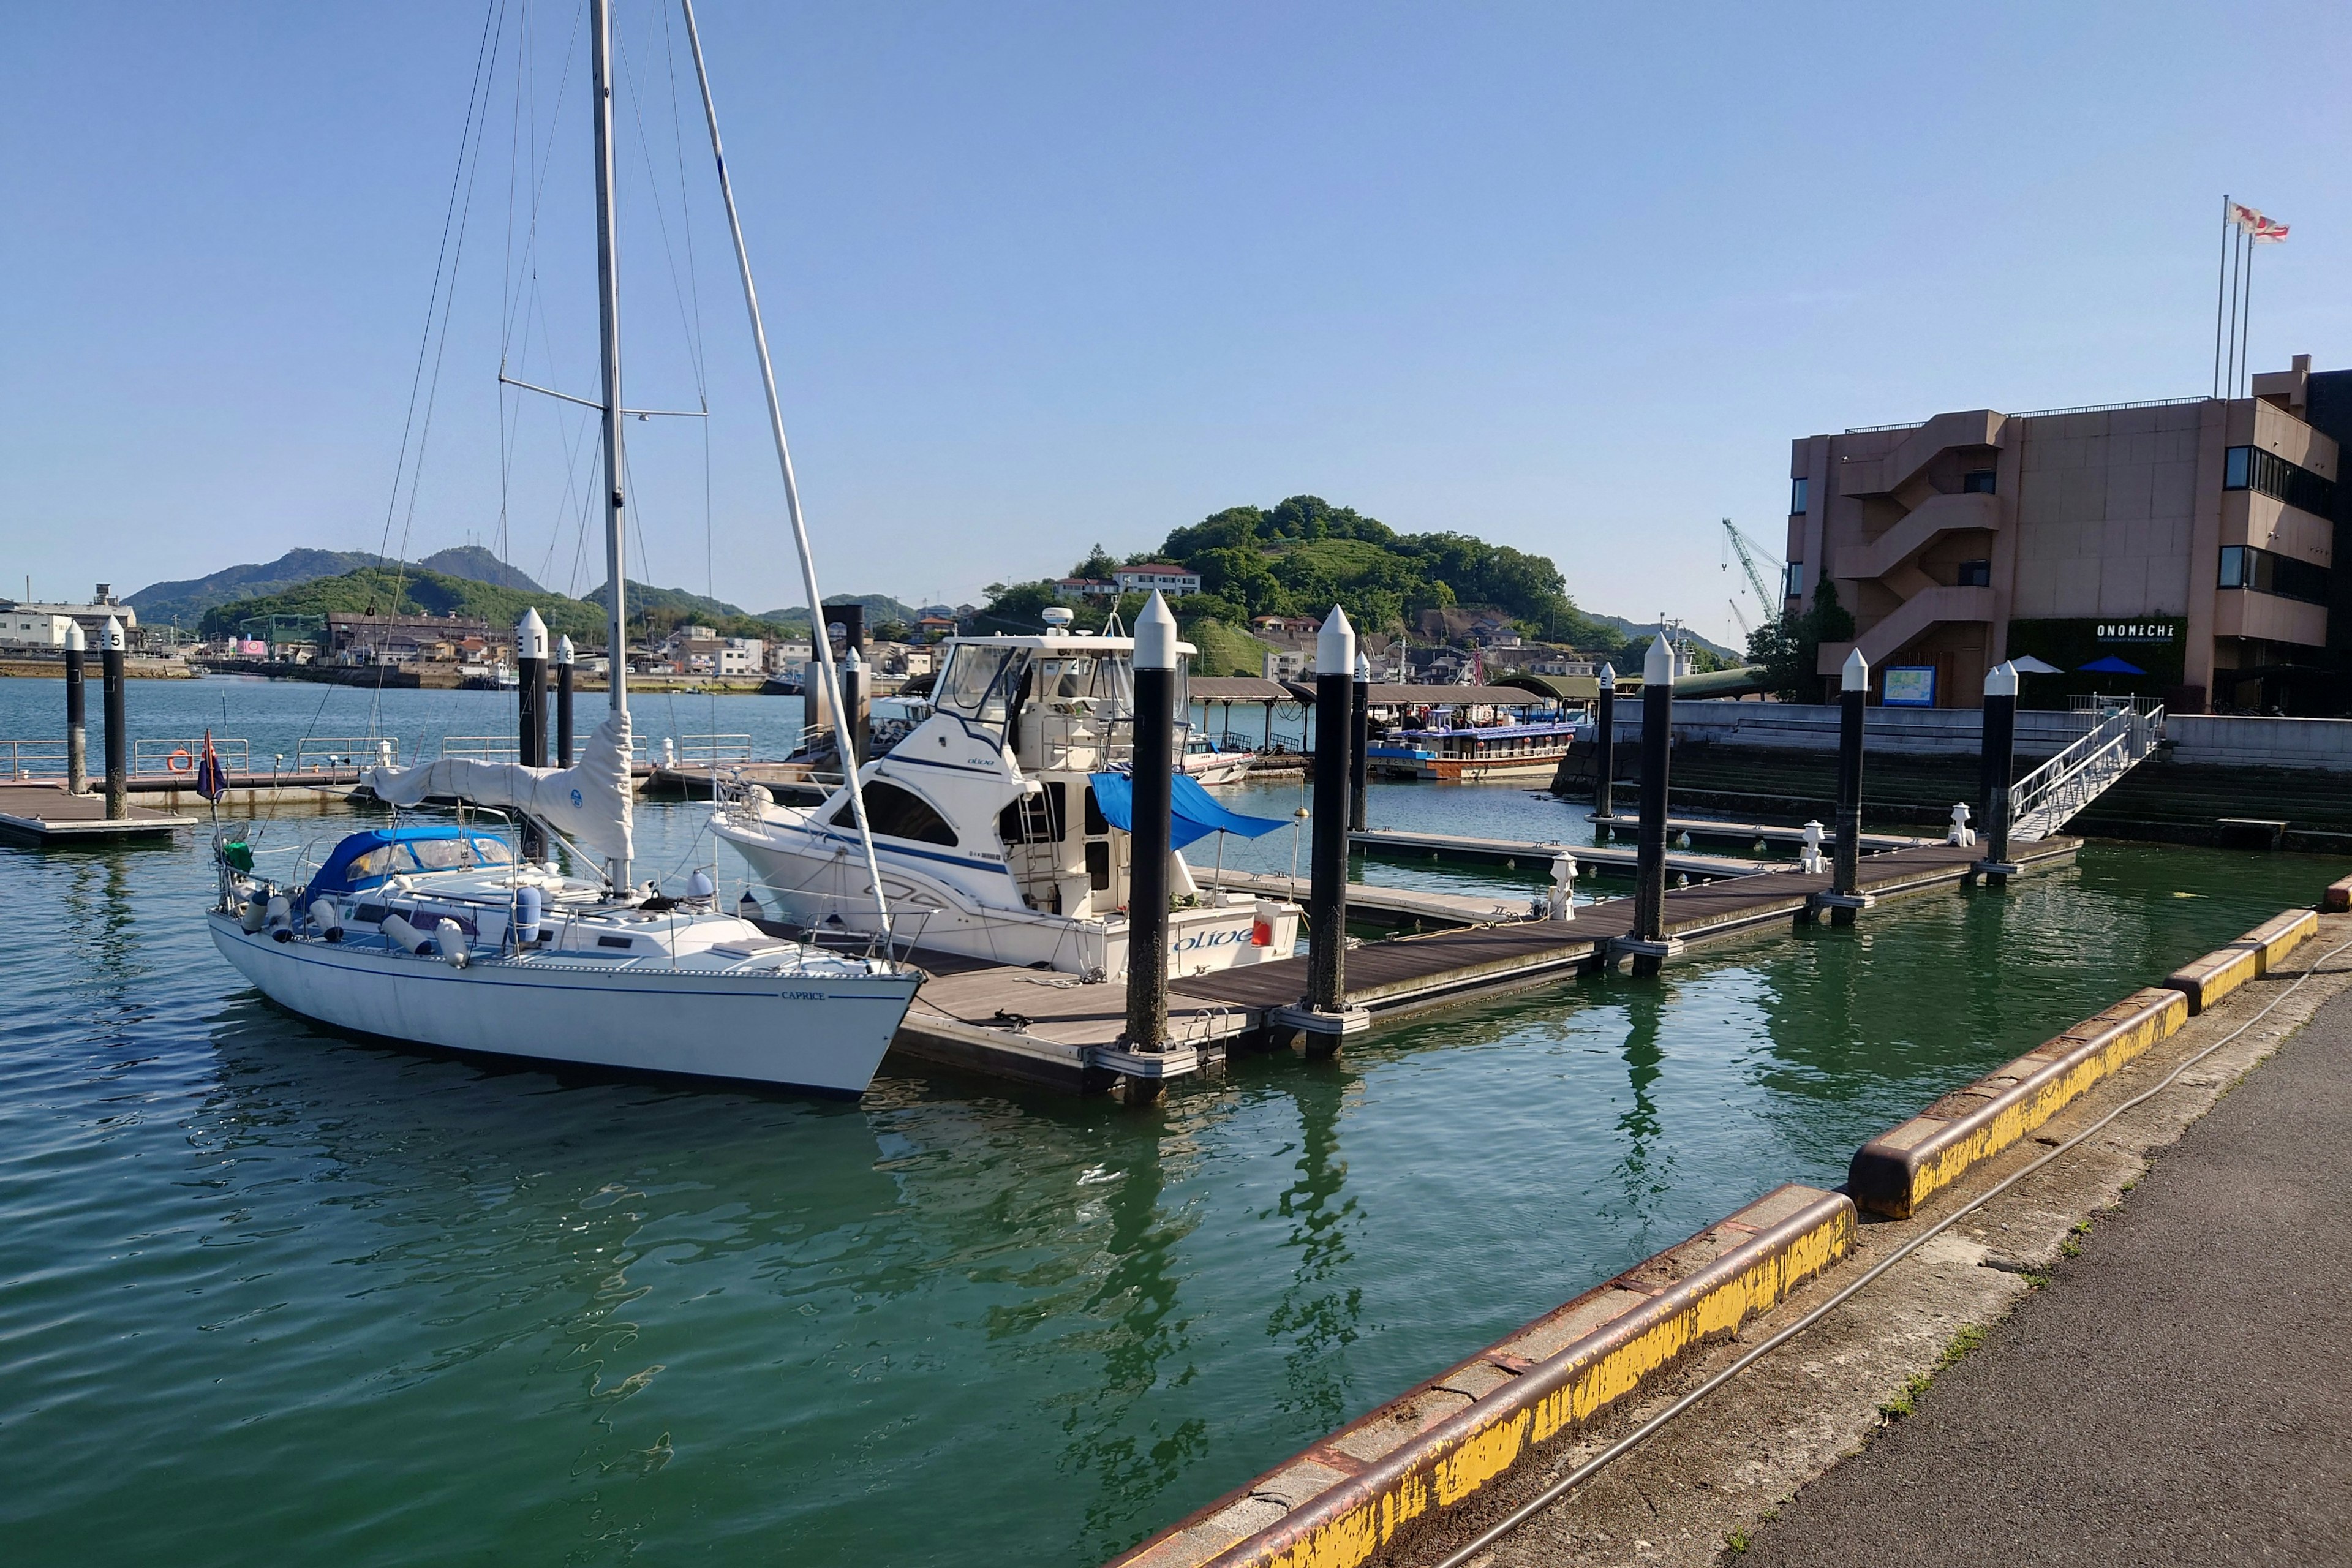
(74, 639)
(1155, 634)
(563, 650)
(1608, 678)
(849, 660)
(1658, 664)
(1855, 675)
(1335, 646)
(110, 636)
(530, 636)
(1363, 669)
(2000, 680)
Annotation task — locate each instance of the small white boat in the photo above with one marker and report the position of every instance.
(990, 826)
(1209, 765)
(443, 937)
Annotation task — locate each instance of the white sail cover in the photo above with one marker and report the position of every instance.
(588, 802)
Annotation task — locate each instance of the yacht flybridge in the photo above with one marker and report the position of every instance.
(446, 937)
(1000, 822)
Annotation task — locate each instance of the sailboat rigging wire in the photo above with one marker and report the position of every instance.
(821, 644)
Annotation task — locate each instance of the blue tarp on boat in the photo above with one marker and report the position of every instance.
(1193, 814)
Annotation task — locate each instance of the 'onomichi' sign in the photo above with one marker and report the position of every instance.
(2138, 631)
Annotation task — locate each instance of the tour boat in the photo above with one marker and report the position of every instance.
(1000, 822)
(1471, 753)
(442, 935)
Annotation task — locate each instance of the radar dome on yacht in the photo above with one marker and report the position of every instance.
(1057, 618)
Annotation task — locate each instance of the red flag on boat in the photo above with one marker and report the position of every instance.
(212, 779)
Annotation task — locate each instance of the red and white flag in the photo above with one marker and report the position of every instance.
(2261, 229)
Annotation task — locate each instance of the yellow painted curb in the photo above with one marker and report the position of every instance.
(2207, 979)
(1412, 1459)
(1895, 1172)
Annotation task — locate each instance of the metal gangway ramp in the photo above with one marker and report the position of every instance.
(2124, 731)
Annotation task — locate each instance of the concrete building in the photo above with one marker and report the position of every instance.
(29, 623)
(354, 638)
(1169, 578)
(2192, 539)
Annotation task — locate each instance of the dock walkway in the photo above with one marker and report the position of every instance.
(1413, 972)
(1716, 830)
(47, 815)
(1400, 906)
(1051, 1028)
(1531, 855)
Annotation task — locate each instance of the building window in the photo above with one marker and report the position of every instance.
(1794, 586)
(898, 813)
(2263, 571)
(1979, 483)
(1797, 495)
(1975, 575)
(2267, 473)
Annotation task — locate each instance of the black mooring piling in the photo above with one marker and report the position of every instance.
(1647, 945)
(564, 663)
(77, 712)
(1327, 900)
(1604, 753)
(110, 646)
(530, 712)
(1152, 803)
(1844, 897)
(1996, 764)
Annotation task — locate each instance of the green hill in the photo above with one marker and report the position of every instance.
(183, 602)
(382, 591)
(1304, 556)
(482, 565)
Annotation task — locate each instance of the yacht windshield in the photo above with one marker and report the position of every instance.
(1103, 684)
(978, 682)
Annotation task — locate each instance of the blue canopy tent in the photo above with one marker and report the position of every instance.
(2111, 664)
(1193, 814)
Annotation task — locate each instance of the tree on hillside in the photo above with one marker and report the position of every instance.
(1097, 566)
(1788, 649)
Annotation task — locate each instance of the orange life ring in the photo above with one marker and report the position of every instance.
(180, 762)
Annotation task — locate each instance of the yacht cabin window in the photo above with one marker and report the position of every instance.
(978, 682)
(896, 813)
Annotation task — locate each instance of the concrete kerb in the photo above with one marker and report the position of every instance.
(2338, 897)
(1408, 1463)
(2207, 979)
(1896, 1171)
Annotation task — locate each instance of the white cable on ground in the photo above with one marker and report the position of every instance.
(1650, 1428)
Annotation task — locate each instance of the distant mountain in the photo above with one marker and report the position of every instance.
(415, 590)
(184, 602)
(881, 608)
(668, 604)
(1646, 629)
(478, 565)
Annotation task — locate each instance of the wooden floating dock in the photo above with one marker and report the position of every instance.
(1414, 971)
(1367, 904)
(1529, 854)
(1052, 1029)
(1709, 829)
(47, 815)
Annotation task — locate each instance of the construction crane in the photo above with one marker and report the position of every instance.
(1749, 550)
(1741, 617)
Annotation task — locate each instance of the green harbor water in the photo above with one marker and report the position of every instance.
(267, 1294)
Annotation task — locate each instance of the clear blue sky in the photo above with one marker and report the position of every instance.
(1565, 278)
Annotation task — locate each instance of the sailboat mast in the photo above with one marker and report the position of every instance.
(608, 325)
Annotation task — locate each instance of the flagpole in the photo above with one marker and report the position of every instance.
(2230, 369)
(2220, 276)
(2246, 327)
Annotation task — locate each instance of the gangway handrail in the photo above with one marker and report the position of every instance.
(34, 759)
(314, 753)
(151, 756)
(2047, 798)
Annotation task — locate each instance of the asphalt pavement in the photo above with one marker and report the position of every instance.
(2180, 1392)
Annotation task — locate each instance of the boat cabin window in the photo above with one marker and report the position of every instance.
(897, 814)
(449, 854)
(978, 682)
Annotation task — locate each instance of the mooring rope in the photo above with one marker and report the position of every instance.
(1650, 1428)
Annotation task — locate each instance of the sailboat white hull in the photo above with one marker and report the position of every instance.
(824, 1033)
